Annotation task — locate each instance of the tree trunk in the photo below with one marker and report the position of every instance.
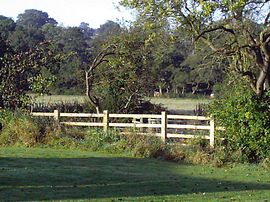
(183, 90)
(160, 90)
(88, 86)
(262, 81)
(167, 90)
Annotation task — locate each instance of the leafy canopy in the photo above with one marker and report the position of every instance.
(225, 27)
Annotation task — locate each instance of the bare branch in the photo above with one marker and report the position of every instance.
(266, 21)
(100, 58)
(129, 99)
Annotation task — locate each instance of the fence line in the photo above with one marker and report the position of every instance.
(157, 124)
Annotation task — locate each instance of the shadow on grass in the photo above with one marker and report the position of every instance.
(85, 178)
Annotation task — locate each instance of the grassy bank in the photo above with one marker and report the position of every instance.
(34, 174)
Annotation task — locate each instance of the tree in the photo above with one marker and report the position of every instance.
(118, 77)
(109, 28)
(87, 31)
(225, 27)
(22, 39)
(90, 74)
(21, 72)
(127, 77)
(34, 18)
(72, 42)
(7, 25)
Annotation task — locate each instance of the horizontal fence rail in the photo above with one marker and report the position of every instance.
(162, 125)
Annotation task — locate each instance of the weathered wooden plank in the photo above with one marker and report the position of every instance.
(187, 117)
(195, 127)
(42, 114)
(212, 133)
(105, 120)
(81, 124)
(81, 115)
(164, 124)
(154, 121)
(136, 116)
(136, 125)
(171, 135)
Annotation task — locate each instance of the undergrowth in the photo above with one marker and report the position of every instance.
(20, 129)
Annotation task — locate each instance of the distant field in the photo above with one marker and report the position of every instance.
(60, 98)
(179, 103)
(170, 103)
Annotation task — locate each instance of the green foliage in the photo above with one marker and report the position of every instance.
(17, 128)
(112, 140)
(34, 18)
(23, 39)
(219, 29)
(41, 84)
(246, 119)
(121, 83)
(141, 145)
(99, 140)
(7, 25)
(21, 72)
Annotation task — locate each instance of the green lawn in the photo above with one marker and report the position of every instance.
(33, 174)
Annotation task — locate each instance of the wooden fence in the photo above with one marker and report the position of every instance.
(162, 125)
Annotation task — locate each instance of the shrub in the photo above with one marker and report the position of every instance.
(112, 140)
(49, 130)
(145, 145)
(246, 119)
(97, 139)
(18, 128)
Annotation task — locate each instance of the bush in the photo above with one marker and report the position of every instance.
(97, 139)
(112, 140)
(143, 145)
(246, 119)
(17, 128)
(49, 130)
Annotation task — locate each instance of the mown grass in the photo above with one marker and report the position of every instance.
(33, 174)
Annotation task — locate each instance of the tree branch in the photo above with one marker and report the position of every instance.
(215, 29)
(251, 77)
(266, 20)
(100, 58)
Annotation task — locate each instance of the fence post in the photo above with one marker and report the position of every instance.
(105, 120)
(212, 132)
(164, 126)
(56, 115)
